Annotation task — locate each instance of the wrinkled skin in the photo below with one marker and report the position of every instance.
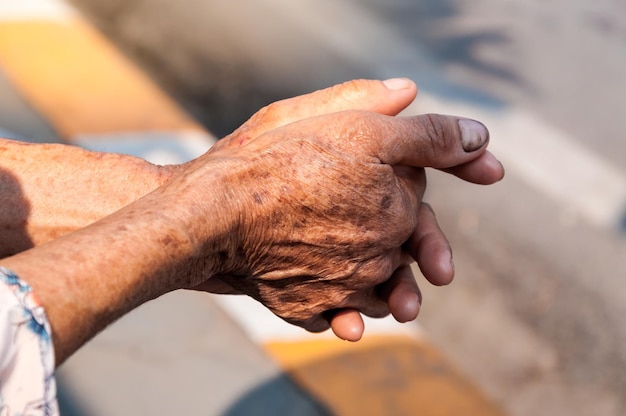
(328, 217)
(311, 209)
(324, 206)
(428, 245)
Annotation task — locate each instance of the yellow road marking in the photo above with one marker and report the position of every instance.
(380, 375)
(81, 83)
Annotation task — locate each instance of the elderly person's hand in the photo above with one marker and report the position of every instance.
(318, 218)
(318, 211)
(427, 245)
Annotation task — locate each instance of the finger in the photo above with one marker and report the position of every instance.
(485, 170)
(430, 248)
(430, 140)
(385, 97)
(402, 295)
(347, 324)
(414, 179)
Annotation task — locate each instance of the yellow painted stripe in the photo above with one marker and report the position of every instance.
(74, 77)
(381, 375)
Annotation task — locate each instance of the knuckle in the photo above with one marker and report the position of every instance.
(360, 125)
(401, 217)
(356, 116)
(347, 129)
(375, 271)
(348, 91)
(434, 131)
(433, 138)
(428, 208)
(270, 112)
(409, 222)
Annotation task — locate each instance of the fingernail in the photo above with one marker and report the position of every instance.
(398, 83)
(503, 170)
(473, 134)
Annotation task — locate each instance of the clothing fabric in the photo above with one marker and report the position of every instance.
(27, 384)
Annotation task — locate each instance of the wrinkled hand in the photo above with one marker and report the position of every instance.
(356, 211)
(428, 244)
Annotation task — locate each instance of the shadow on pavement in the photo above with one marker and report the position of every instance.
(69, 405)
(269, 399)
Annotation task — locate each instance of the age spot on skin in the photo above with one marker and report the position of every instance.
(334, 210)
(386, 202)
(223, 256)
(257, 198)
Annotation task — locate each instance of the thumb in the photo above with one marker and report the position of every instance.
(387, 97)
(430, 140)
(384, 97)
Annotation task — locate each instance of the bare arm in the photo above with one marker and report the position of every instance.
(89, 278)
(307, 219)
(39, 183)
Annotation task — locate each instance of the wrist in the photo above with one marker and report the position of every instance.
(162, 174)
(199, 201)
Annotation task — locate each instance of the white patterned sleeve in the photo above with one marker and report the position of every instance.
(27, 385)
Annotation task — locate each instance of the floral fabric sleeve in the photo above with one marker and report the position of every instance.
(27, 385)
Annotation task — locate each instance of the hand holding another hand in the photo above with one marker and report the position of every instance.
(313, 207)
(325, 205)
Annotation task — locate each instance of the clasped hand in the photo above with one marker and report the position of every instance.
(321, 205)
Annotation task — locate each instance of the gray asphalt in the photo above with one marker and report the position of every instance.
(18, 120)
(536, 314)
(178, 355)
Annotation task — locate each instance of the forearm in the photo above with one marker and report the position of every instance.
(48, 190)
(89, 278)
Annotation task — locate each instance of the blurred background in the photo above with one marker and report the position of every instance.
(536, 314)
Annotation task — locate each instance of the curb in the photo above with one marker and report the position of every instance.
(95, 98)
